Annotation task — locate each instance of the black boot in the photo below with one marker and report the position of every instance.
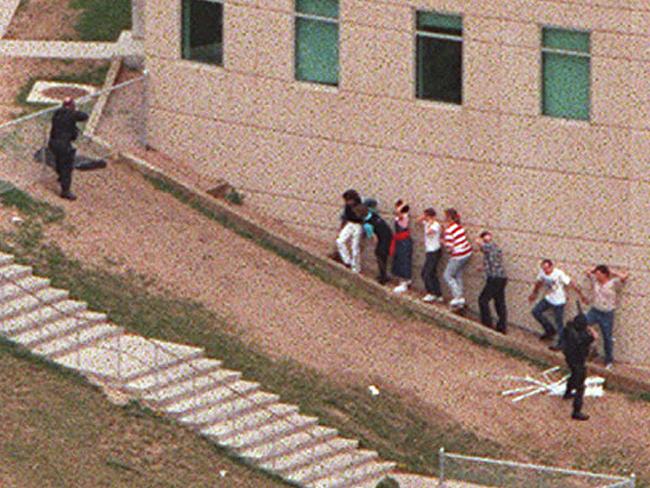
(68, 195)
(579, 416)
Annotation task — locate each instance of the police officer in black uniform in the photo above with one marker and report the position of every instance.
(577, 341)
(64, 131)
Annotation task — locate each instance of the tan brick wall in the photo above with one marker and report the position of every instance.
(574, 191)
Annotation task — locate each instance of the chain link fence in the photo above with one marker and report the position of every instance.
(24, 156)
(457, 470)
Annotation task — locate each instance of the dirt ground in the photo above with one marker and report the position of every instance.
(29, 24)
(288, 313)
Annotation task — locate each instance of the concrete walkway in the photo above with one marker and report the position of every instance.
(125, 46)
(179, 382)
(7, 11)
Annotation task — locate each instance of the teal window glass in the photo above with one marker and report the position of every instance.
(202, 31)
(566, 74)
(317, 41)
(439, 57)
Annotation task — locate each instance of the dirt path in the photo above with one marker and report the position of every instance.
(289, 313)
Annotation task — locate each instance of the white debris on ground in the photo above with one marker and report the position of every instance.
(374, 391)
(16, 220)
(529, 386)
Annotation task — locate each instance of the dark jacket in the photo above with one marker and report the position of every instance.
(577, 341)
(64, 125)
(380, 228)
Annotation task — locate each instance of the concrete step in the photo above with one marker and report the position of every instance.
(311, 455)
(354, 476)
(255, 421)
(285, 446)
(289, 424)
(27, 285)
(14, 272)
(172, 376)
(79, 340)
(225, 404)
(59, 328)
(331, 465)
(128, 357)
(202, 382)
(26, 303)
(276, 432)
(41, 317)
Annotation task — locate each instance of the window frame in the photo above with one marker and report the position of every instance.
(319, 18)
(223, 36)
(446, 37)
(564, 52)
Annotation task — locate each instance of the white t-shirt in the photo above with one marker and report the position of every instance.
(431, 236)
(554, 284)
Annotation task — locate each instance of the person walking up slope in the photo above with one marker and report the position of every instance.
(554, 280)
(376, 228)
(460, 251)
(495, 283)
(402, 248)
(605, 283)
(432, 231)
(350, 233)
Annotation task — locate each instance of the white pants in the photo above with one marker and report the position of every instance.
(350, 231)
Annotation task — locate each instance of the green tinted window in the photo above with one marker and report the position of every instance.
(322, 8)
(317, 42)
(444, 24)
(566, 86)
(566, 40)
(566, 76)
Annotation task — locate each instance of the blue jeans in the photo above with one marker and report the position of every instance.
(558, 312)
(454, 275)
(606, 322)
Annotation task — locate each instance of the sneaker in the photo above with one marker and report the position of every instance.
(69, 196)
(454, 302)
(461, 302)
(579, 416)
(438, 298)
(401, 288)
(609, 366)
(429, 298)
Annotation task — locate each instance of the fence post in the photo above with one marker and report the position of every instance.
(441, 470)
(44, 150)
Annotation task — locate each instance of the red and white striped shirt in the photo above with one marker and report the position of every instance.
(456, 241)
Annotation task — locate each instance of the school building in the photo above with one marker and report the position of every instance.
(531, 117)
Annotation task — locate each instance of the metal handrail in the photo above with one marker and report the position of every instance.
(160, 347)
(80, 100)
(621, 481)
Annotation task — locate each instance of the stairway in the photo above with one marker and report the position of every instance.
(181, 383)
